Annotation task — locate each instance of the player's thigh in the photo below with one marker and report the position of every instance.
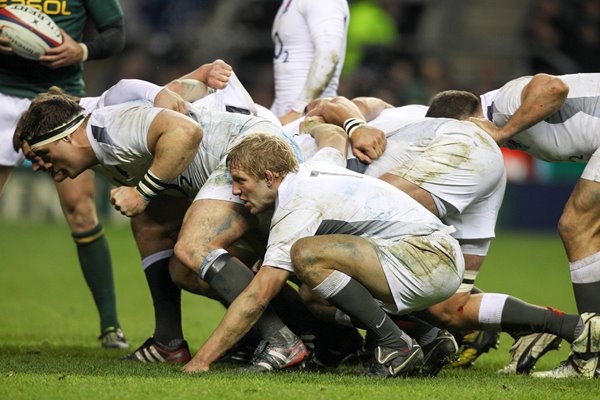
(208, 225)
(77, 201)
(316, 257)
(157, 228)
(582, 206)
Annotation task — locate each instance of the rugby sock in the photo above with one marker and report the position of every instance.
(294, 313)
(96, 265)
(332, 340)
(507, 313)
(420, 330)
(228, 276)
(585, 275)
(354, 299)
(166, 297)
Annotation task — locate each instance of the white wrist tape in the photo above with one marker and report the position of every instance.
(352, 124)
(151, 186)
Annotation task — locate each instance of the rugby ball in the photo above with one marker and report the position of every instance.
(30, 31)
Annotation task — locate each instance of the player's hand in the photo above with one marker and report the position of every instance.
(308, 123)
(37, 164)
(217, 75)
(169, 99)
(368, 143)
(128, 201)
(5, 47)
(314, 107)
(335, 110)
(68, 53)
(491, 129)
(195, 365)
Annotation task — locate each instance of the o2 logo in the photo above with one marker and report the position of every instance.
(279, 50)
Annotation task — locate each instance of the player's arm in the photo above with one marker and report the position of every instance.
(368, 143)
(173, 140)
(109, 41)
(136, 89)
(540, 98)
(241, 315)
(215, 74)
(327, 26)
(329, 135)
(197, 84)
(371, 107)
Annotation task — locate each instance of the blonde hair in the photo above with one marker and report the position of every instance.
(46, 112)
(259, 152)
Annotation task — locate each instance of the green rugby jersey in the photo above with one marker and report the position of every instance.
(26, 78)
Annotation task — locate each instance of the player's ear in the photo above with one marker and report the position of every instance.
(270, 177)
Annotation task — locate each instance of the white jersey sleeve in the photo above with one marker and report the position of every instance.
(118, 136)
(298, 223)
(124, 91)
(570, 134)
(310, 46)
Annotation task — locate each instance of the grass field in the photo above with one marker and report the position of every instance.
(48, 328)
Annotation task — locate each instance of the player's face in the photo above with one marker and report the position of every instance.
(257, 195)
(58, 160)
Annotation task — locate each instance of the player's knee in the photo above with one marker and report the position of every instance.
(450, 313)
(81, 214)
(303, 257)
(185, 253)
(569, 226)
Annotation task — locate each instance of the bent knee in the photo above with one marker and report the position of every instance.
(570, 226)
(302, 256)
(451, 312)
(185, 255)
(81, 216)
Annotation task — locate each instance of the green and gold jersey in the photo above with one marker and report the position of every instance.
(26, 78)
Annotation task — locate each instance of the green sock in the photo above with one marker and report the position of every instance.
(96, 265)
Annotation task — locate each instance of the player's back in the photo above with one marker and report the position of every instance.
(570, 134)
(351, 203)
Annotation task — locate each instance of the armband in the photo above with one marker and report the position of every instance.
(352, 124)
(151, 186)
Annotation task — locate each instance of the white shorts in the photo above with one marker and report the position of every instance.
(463, 170)
(591, 172)
(421, 270)
(219, 186)
(10, 112)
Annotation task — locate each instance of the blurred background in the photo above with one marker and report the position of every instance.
(403, 51)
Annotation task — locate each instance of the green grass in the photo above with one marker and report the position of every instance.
(48, 347)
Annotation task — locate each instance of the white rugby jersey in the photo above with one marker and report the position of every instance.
(324, 198)
(570, 134)
(455, 161)
(118, 135)
(390, 120)
(304, 31)
(123, 91)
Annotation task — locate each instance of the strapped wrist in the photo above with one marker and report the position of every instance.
(352, 124)
(151, 186)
